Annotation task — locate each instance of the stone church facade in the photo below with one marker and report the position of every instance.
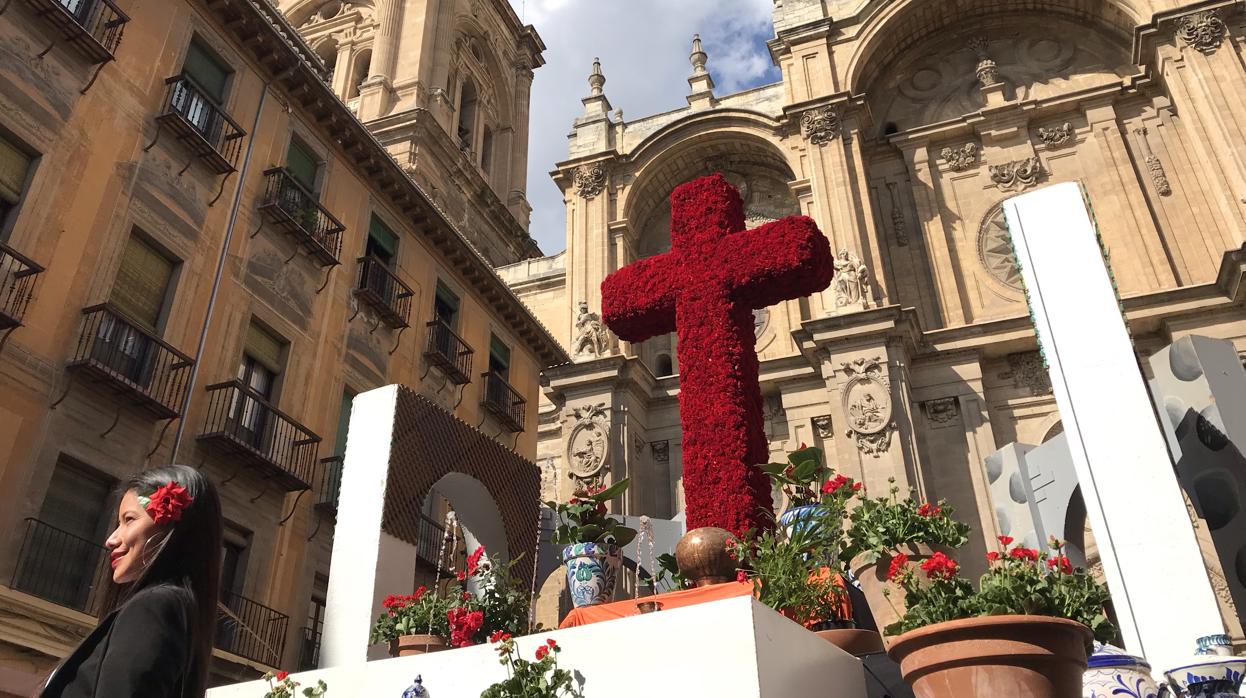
(901, 126)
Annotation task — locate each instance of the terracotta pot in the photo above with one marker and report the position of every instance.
(872, 577)
(856, 642)
(702, 556)
(411, 645)
(1031, 656)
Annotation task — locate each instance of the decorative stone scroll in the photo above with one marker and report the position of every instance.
(823, 426)
(661, 451)
(591, 338)
(1056, 136)
(1159, 179)
(820, 125)
(942, 412)
(962, 158)
(588, 442)
(1202, 31)
(590, 180)
(1017, 175)
(1027, 370)
(867, 404)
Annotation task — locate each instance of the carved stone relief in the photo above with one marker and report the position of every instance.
(1027, 370)
(822, 426)
(820, 126)
(962, 158)
(1159, 179)
(897, 216)
(591, 337)
(1202, 31)
(549, 478)
(1017, 175)
(985, 71)
(942, 412)
(995, 249)
(661, 451)
(867, 405)
(1056, 136)
(590, 180)
(588, 441)
(851, 284)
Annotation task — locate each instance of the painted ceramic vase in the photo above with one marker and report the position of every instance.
(416, 689)
(798, 518)
(1114, 673)
(1208, 676)
(591, 571)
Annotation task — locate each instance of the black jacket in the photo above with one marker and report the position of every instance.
(140, 650)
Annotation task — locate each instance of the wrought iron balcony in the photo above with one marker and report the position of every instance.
(17, 286)
(201, 124)
(503, 401)
(93, 26)
(242, 424)
(250, 629)
(62, 568)
(309, 651)
(295, 210)
(118, 355)
(381, 290)
(447, 351)
(432, 543)
(329, 484)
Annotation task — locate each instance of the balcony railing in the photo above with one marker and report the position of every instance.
(449, 352)
(432, 538)
(309, 652)
(127, 359)
(381, 290)
(250, 629)
(17, 286)
(503, 401)
(329, 484)
(94, 26)
(294, 209)
(244, 425)
(202, 125)
(60, 567)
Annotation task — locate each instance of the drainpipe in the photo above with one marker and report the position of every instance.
(220, 272)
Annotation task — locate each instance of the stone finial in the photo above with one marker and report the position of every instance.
(698, 56)
(986, 70)
(596, 80)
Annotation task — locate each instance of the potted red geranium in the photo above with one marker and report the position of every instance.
(526, 679)
(413, 623)
(1027, 630)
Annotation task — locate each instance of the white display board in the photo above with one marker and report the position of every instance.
(1150, 556)
(735, 647)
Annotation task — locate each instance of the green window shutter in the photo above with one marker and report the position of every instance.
(382, 237)
(302, 165)
(264, 348)
(499, 356)
(14, 164)
(142, 283)
(445, 304)
(207, 72)
(343, 424)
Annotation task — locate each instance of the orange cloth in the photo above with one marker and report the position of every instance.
(675, 599)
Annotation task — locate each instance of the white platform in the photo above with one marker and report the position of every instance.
(735, 648)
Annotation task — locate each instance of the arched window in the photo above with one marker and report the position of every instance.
(327, 53)
(467, 114)
(363, 63)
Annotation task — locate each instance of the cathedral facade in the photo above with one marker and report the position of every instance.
(901, 126)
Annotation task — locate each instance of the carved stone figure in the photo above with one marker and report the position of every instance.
(590, 334)
(661, 451)
(1156, 168)
(1202, 31)
(822, 426)
(1017, 175)
(962, 158)
(942, 411)
(588, 441)
(852, 281)
(1056, 136)
(897, 216)
(590, 180)
(867, 404)
(820, 126)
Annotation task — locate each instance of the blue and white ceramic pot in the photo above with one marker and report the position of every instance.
(1113, 673)
(1208, 676)
(591, 571)
(798, 518)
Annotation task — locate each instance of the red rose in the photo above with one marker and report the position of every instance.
(940, 566)
(897, 566)
(166, 504)
(281, 675)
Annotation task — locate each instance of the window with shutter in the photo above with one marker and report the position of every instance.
(446, 305)
(382, 243)
(265, 349)
(499, 356)
(14, 165)
(343, 423)
(208, 72)
(142, 283)
(302, 164)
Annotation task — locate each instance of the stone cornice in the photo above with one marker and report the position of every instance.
(277, 48)
(41, 625)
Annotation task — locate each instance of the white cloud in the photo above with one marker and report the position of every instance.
(643, 46)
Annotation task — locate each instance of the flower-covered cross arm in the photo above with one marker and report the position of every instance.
(638, 301)
(780, 260)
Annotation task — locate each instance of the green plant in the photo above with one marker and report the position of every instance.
(801, 477)
(501, 596)
(525, 679)
(669, 576)
(795, 572)
(878, 526)
(1019, 581)
(285, 686)
(423, 612)
(583, 518)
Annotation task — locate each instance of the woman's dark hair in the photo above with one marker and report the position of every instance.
(189, 559)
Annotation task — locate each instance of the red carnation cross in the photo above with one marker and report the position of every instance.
(705, 289)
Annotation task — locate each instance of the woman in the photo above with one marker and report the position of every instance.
(166, 558)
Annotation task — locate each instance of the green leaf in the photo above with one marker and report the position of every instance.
(810, 453)
(773, 468)
(805, 471)
(589, 533)
(623, 535)
(612, 491)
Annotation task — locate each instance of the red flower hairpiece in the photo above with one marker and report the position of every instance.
(166, 504)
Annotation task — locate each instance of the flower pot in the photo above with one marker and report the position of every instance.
(872, 578)
(1114, 673)
(798, 518)
(591, 571)
(1208, 676)
(703, 558)
(1031, 656)
(411, 645)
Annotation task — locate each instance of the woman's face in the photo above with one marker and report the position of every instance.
(127, 543)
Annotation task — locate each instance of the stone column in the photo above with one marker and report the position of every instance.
(385, 46)
(517, 179)
(948, 286)
(341, 67)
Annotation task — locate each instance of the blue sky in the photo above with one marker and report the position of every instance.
(643, 46)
